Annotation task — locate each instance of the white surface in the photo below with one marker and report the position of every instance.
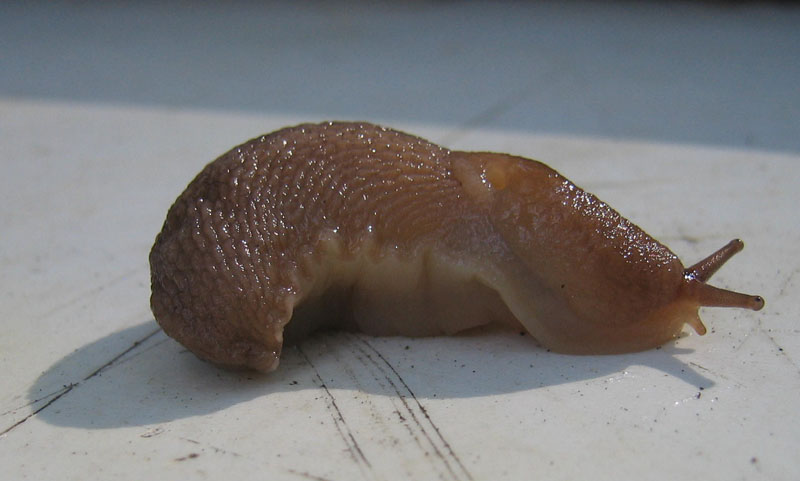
(90, 385)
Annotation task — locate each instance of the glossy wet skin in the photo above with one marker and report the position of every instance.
(359, 227)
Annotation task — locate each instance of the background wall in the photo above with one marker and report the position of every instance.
(698, 72)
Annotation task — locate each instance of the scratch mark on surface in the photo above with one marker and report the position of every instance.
(788, 282)
(188, 456)
(780, 351)
(211, 446)
(414, 426)
(452, 454)
(716, 374)
(743, 340)
(146, 349)
(306, 475)
(68, 388)
(341, 425)
(89, 292)
(64, 391)
(35, 401)
(786, 286)
(118, 356)
(393, 395)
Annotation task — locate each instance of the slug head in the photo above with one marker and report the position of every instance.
(696, 291)
(585, 279)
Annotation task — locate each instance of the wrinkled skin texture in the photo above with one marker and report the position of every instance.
(355, 226)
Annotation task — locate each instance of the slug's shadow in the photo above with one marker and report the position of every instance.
(139, 376)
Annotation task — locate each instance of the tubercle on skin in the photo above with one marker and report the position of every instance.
(502, 239)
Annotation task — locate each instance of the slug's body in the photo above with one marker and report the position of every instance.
(360, 227)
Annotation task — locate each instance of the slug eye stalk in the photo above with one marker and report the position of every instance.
(703, 294)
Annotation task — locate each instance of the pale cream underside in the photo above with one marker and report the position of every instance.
(379, 292)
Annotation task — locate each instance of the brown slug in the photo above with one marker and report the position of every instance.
(355, 226)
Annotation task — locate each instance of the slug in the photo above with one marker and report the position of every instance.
(356, 226)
